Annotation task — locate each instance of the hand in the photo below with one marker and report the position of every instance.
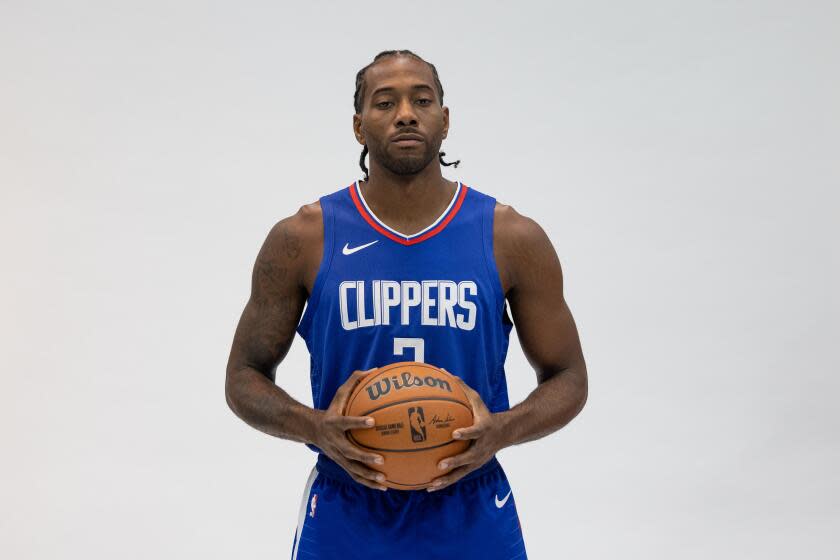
(332, 436)
(486, 436)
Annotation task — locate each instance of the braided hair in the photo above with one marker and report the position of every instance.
(360, 95)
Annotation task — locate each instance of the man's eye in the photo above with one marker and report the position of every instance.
(382, 104)
(424, 101)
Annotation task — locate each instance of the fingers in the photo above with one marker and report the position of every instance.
(341, 445)
(351, 381)
(351, 451)
(479, 409)
(354, 460)
(362, 474)
(472, 394)
(354, 422)
(471, 432)
(358, 374)
(464, 458)
(343, 392)
(452, 477)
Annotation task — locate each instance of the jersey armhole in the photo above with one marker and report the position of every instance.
(505, 324)
(323, 268)
(487, 218)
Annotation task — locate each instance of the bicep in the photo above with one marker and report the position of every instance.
(544, 324)
(267, 325)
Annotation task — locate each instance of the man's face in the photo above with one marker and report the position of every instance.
(400, 98)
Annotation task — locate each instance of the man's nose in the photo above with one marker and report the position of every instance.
(405, 113)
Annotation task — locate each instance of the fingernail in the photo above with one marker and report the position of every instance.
(379, 460)
(442, 465)
(380, 477)
(456, 435)
(369, 421)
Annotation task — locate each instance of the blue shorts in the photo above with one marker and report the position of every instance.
(341, 519)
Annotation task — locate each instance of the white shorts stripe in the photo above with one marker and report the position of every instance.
(303, 505)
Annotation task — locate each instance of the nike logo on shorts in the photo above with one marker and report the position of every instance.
(503, 501)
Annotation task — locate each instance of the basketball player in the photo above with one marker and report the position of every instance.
(406, 265)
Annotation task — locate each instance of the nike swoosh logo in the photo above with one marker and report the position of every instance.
(501, 503)
(349, 251)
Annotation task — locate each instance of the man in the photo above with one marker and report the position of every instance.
(406, 265)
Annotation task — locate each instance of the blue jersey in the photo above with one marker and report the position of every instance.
(381, 296)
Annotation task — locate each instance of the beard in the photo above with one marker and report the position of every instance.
(404, 162)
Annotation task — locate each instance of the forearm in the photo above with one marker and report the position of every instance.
(549, 407)
(263, 405)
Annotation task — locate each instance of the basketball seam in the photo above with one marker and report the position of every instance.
(354, 440)
(444, 399)
(387, 369)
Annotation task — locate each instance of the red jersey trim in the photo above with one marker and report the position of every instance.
(360, 207)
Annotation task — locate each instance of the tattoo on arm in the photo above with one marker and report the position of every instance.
(268, 323)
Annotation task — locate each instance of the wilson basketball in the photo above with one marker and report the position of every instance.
(416, 407)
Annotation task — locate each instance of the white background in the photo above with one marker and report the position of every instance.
(682, 157)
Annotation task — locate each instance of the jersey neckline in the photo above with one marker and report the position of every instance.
(431, 230)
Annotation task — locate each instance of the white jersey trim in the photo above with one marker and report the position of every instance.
(392, 230)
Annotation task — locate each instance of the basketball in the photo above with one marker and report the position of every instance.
(416, 407)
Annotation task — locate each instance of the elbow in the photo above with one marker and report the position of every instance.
(229, 401)
(583, 389)
(230, 393)
(583, 398)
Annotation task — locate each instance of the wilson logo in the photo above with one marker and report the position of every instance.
(384, 386)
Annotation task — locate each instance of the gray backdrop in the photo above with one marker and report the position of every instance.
(682, 156)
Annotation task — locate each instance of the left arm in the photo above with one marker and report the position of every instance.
(547, 333)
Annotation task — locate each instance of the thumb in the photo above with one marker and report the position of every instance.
(358, 374)
(343, 393)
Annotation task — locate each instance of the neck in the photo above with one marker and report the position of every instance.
(407, 203)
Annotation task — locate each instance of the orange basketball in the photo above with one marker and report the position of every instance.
(416, 407)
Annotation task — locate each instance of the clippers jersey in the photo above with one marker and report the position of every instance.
(381, 296)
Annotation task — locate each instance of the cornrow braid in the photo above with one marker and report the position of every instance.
(359, 96)
(440, 158)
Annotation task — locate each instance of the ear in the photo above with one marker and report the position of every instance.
(357, 129)
(445, 121)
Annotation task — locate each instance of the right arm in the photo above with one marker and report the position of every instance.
(283, 275)
(267, 326)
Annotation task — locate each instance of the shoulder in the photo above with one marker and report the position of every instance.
(290, 233)
(519, 243)
(308, 221)
(295, 242)
(513, 230)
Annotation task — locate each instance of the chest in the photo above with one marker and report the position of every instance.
(313, 256)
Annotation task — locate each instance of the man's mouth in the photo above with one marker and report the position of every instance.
(408, 142)
(407, 139)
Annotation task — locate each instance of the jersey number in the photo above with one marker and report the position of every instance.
(417, 343)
